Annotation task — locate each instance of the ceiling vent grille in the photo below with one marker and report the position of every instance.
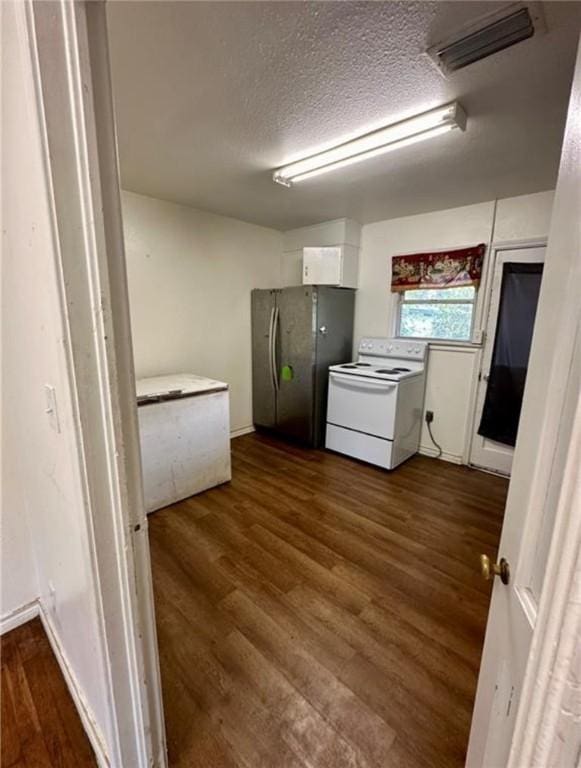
(489, 35)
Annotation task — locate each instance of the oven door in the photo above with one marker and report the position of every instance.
(363, 404)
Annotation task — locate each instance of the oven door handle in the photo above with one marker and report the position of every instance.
(362, 382)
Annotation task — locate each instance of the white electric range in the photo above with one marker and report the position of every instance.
(375, 404)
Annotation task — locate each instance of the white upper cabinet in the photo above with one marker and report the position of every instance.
(322, 254)
(331, 265)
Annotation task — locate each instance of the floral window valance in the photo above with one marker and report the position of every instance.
(441, 269)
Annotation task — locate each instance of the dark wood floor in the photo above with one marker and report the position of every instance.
(40, 725)
(320, 612)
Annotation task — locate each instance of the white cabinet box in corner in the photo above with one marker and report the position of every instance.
(184, 429)
(336, 265)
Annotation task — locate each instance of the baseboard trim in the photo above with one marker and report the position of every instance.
(426, 450)
(241, 431)
(19, 616)
(488, 471)
(90, 726)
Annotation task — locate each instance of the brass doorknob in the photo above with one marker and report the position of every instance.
(490, 570)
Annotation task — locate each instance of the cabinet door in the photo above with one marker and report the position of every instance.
(322, 266)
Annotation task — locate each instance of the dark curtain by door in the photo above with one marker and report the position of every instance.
(519, 295)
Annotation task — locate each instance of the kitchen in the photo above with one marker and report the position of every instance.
(218, 296)
(318, 557)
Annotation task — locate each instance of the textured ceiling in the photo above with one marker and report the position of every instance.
(211, 97)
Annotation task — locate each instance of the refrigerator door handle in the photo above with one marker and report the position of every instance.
(273, 340)
(270, 337)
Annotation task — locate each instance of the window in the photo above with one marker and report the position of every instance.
(442, 313)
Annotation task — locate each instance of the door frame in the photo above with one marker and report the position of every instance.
(89, 239)
(488, 285)
(549, 699)
(68, 45)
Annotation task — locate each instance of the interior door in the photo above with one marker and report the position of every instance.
(550, 400)
(295, 362)
(486, 452)
(263, 384)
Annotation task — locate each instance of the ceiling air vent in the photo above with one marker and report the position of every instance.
(493, 33)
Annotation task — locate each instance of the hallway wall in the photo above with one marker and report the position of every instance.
(46, 542)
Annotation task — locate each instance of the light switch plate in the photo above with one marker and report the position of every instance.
(51, 407)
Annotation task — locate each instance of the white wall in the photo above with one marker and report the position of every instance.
(19, 579)
(42, 492)
(452, 369)
(190, 277)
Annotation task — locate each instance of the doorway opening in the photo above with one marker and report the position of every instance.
(314, 610)
(317, 610)
(513, 294)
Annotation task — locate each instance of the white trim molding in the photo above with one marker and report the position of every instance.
(91, 728)
(548, 729)
(242, 431)
(486, 295)
(426, 450)
(548, 726)
(32, 610)
(69, 49)
(18, 616)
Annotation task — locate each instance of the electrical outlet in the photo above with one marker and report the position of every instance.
(429, 417)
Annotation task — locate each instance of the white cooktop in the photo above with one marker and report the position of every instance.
(386, 358)
(391, 370)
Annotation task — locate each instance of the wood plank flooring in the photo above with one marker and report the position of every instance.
(321, 613)
(40, 725)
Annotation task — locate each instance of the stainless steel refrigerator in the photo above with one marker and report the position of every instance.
(297, 333)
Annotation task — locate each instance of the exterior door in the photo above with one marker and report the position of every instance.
(295, 361)
(485, 452)
(263, 384)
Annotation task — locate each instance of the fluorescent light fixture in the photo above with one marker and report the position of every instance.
(402, 134)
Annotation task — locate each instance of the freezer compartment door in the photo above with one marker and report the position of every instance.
(362, 404)
(263, 380)
(295, 359)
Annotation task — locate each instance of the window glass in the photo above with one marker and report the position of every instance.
(441, 294)
(444, 313)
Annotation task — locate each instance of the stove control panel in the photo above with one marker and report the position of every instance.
(400, 348)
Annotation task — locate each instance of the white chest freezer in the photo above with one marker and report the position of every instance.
(184, 428)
